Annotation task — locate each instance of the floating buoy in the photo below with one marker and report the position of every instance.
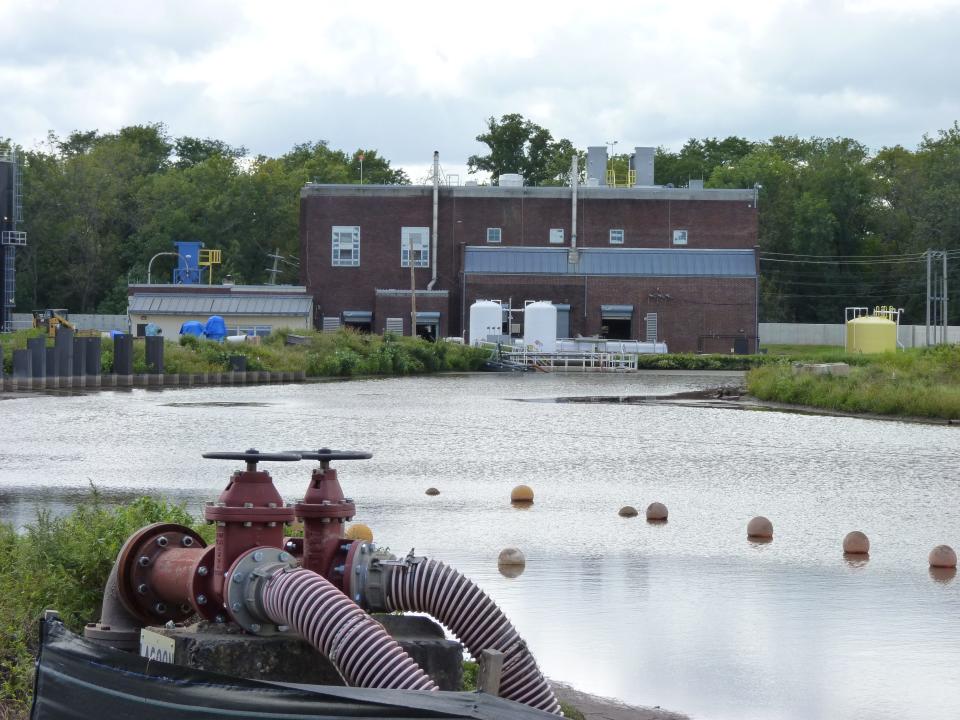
(628, 511)
(432, 491)
(521, 494)
(656, 512)
(760, 527)
(359, 531)
(942, 556)
(511, 558)
(856, 543)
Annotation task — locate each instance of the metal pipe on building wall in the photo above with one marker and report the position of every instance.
(433, 237)
(574, 178)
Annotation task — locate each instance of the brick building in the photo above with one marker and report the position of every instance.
(674, 264)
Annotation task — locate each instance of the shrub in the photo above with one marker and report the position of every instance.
(63, 563)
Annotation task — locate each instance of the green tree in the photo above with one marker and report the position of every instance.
(518, 145)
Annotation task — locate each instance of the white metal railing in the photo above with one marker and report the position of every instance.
(575, 361)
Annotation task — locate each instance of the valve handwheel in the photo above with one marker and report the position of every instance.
(325, 455)
(252, 456)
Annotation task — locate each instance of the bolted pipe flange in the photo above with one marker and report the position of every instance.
(241, 594)
(141, 581)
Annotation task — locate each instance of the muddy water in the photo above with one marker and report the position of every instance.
(688, 615)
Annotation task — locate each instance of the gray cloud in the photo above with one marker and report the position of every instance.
(386, 77)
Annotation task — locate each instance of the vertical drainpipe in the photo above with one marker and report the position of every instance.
(756, 299)
(574, 172)
(436, 198)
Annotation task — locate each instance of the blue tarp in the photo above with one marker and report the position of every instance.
(216, 328)
(192, 327)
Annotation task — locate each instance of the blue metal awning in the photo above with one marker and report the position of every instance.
(427, 317)
(623, 262)
(616, 312)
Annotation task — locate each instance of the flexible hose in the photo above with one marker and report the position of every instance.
(430, 586)
(356, 644)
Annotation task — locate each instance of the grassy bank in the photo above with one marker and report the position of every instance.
(341, 354)
(61, 563)
(920, 382)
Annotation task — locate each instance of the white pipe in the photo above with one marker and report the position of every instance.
(574, 173)
(160, 254)
(433, 240)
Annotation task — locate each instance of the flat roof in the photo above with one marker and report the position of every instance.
(563, 193)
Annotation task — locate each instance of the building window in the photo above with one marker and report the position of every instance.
(556, 236)
(346, 245)
(493, 235)
(679, 237)
(419, 237)
(616, 237)
(254, 330)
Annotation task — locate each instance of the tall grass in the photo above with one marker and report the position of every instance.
(921, 382)
(344, 353)
(62, 563)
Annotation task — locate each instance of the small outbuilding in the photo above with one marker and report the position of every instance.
(245, 309)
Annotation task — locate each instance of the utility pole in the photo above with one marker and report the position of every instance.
(937, 318)
(275, 269)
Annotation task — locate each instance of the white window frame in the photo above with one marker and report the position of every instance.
(556, 236)
(680, 237)
(494, 232)
(616, 236)
(254, 330)
(421, 248)
(345, 238)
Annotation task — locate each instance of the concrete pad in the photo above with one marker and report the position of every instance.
(288, 658)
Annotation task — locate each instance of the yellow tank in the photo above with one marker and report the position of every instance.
(871, 334)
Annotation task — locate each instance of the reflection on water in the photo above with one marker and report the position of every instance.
(689, 614)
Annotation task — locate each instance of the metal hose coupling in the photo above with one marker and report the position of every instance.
(367, 571)
(244, 585)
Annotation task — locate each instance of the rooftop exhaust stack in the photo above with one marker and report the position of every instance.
(642, 163)
(597, 165)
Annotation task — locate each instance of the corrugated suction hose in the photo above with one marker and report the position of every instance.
(356, 644)
(430, 586)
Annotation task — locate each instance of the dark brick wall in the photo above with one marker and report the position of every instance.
(390, 306)
(696, 310)
(700, 306)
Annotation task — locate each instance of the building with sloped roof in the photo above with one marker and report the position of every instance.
(675, 265)
(246, 309)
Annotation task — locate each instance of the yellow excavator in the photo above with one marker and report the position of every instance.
(51, 319)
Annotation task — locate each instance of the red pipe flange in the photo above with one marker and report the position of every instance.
(154, 570)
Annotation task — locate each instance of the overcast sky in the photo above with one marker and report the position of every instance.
(408, 78)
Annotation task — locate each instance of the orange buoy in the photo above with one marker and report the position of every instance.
(760, 527)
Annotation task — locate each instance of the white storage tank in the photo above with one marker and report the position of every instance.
(540, 326)
(510, 180)
(486, 318)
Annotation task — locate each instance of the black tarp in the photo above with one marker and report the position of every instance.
(78, 679)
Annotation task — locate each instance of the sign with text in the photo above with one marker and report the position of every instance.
(155, 646)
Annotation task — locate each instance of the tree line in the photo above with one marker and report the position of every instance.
(98, 206)
(839, 225)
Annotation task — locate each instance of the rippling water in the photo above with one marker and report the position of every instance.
(688, 615)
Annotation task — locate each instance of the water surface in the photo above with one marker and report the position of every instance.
(688, 615)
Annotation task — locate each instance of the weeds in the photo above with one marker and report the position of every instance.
(922, 382)
(62, 563)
